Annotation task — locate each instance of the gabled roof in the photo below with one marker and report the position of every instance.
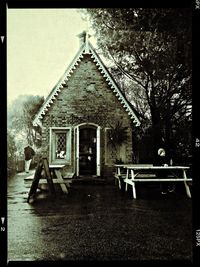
(86, 48)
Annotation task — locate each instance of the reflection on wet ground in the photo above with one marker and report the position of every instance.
(98, 222)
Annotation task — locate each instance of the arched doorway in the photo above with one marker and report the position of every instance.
(88, 149)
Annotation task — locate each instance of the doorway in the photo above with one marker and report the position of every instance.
(88, 150)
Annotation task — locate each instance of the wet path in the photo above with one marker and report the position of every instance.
(98, 222)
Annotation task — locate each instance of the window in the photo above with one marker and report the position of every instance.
(60, 145)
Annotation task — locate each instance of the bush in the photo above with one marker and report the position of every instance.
(11, 155)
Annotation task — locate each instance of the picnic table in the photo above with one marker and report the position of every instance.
(49, 171)
(133, 173)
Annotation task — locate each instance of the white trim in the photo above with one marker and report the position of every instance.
(58, 87)
(55, 91)
(56, 166)
(50, 149)
(74, 155)
(87, 124)
(60, 128)
(114, 87)
(77, 151)
(69, 145)
(98, 146)
(98, 151)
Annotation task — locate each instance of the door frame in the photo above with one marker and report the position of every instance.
(98, 150)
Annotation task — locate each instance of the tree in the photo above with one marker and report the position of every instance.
(30, 109)
(11, 154)
(151, 47)
(20, 116)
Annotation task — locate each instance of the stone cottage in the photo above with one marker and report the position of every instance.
(79, 113)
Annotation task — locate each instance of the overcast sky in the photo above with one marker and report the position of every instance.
(40, 45)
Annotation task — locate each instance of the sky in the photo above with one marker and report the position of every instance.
(41, 43)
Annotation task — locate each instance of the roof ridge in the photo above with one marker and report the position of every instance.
(122, 98)
(72, 66)
(49, 99)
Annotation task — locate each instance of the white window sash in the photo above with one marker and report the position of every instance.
(52, 145)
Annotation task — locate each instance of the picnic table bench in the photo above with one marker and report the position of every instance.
(133, 173)
(63, 182)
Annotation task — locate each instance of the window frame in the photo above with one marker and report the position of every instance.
(52, 144)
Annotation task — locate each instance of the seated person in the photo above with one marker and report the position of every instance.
(162, 161)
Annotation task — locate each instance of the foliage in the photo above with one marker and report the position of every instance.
(20, 129)
(197, 4)
(20, 117)
(151, 47)
(117, 135)
(31, 107)
(11, 154)
(182, 143)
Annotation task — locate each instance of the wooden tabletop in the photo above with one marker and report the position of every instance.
(135, 167)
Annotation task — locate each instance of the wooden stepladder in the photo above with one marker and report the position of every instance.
(43, 163)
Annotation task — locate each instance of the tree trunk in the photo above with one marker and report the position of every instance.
(168, 136)
(157, 131)
(168, 130)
